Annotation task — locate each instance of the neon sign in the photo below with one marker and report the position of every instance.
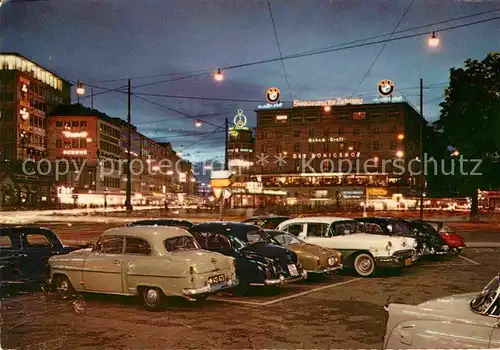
(240, 120)
(327, 155)
(335, 102)
(388, 99)
(270, 105)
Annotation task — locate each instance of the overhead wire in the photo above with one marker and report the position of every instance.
(279, 48)
(382, 49)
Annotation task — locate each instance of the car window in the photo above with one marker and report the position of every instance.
(37, 240)
(216, 241)
(109, 245)
(5, 242)
(370, 227)
(181, 243)
(399, 227)
(286, 239)
(294, 229)
(345, 228)
(257, 236)
(317, 230)
(135, 245)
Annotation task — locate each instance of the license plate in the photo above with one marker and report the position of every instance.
(293, 270)
(216, 279)
(408, 261)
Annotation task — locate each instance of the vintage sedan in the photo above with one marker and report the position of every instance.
(464, 321)
(361, 251)
(454, 240)
(24, 255)
(146, 261)
(259, 262)
(314, 259)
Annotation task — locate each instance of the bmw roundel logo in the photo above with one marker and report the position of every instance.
(385, 88)
(273, 95)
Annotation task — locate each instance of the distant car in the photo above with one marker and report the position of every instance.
(314, 259)
(266, 221)
(455, 241)
(361, 251)
(163, 222)
(436, 244)
(24, 254)
(464, 321)
(146, 261)
(259, 262)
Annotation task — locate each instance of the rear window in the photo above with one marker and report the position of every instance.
(5, 242)
(181, 243)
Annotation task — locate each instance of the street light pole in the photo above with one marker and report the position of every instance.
(422, 178)
(226, 160)
(128, 200)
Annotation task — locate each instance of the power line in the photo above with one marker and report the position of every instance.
(321, 50)
(196, 142)
(279, 48)
(382, 49)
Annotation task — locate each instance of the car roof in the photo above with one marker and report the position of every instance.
(158, 221)
(265, 217)
(238, 229)
(156, 234)
(317, 219)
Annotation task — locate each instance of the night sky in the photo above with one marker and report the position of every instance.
(100, 40)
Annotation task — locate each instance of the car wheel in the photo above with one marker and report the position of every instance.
(364, 264)
(152, 298)
(63, 287)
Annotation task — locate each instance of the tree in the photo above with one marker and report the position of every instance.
(470, 122)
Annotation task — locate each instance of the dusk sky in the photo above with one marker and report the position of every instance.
(95, 41)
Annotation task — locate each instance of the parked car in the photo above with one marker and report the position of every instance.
(266, 221)
(463, 321)
(259, 262)
(24, 254)
(361, 251)
(147, 261)
(435, 243)
(163, 222)
(314, 259)
(454, 240)
(428, 241)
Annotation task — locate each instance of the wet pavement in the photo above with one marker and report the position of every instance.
(338, 311)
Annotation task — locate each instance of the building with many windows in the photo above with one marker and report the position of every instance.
(28, 92)
(96, 148)
(319, 151)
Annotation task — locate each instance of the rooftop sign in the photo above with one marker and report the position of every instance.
(335, 102)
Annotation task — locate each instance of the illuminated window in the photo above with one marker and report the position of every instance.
(359, 115)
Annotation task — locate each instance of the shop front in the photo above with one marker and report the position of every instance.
(253, 195)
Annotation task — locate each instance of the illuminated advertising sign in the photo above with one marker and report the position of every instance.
(270, 105)
(322, 103)
(273, 95)
(327, 155)
(389, 99)
(385, 88)
(240, 120)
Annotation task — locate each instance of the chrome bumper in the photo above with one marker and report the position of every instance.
(281, 281)
(327, 270)
(211, 288)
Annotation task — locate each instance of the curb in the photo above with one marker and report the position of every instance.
(482, 245)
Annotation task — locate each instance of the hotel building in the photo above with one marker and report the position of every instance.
(338, 149)
(96, 147)
(28, 92)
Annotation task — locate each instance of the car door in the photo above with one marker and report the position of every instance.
(37, 247)
(296, 229)
(102, 269)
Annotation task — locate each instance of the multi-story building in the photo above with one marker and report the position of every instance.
(96, 147)
(28, 92)
(319, 150)
(240, 152)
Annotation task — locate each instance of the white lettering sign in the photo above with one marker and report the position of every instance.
(388, 99)
(335, 102)
(326, 139)
(327, 155)
(270, 105)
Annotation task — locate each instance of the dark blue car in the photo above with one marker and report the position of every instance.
(259, 262)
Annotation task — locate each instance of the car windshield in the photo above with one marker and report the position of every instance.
(181, 243)
(487, 301)
(257, 236)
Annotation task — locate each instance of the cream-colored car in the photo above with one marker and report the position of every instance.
(151, 262)
(463, 321)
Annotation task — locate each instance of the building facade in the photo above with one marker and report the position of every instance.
(95, 147)
(28, 92)
(320, 152)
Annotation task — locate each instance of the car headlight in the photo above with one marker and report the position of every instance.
(415, 244)
(389, 246)
(331, 261)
